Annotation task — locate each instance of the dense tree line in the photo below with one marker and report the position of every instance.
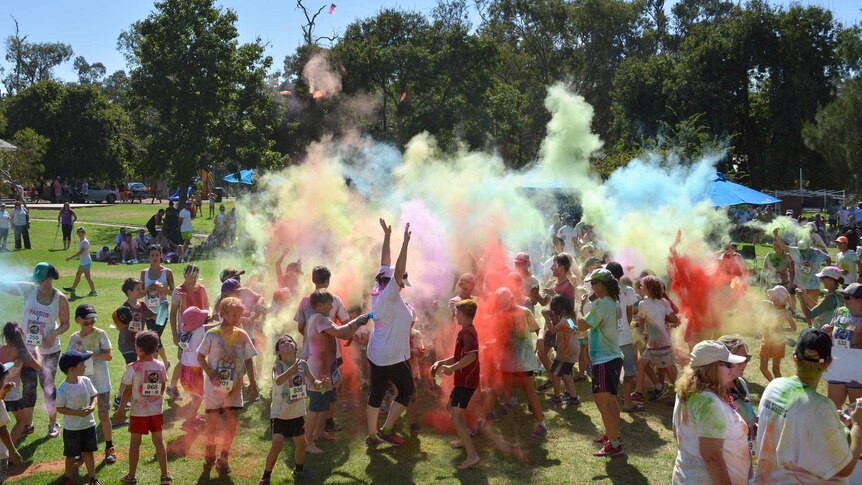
(778, 88)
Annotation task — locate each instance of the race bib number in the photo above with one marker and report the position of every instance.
(752, 440)
(34, 335)
(153, 301)
(225, 374)
(136, 325)
(296, 388)
(806, 267)
(89, 367)
(152, 386)
(335, 375)
(842, 337)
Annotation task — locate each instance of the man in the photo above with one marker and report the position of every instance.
(852, 233)
(155, 223)
(800, 437)
(185, 228)
(843, 218)
(857, 212)
(568, 234)
(848, 261)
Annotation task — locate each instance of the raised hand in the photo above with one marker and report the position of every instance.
(387, 230)
(407, 232)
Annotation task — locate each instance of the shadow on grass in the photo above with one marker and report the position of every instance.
(640, 437)
(395, 464)
(620, 471)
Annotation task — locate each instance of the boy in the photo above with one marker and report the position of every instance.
(7, 446)
(465, 364)
(191, 375)
(95, 340)
(290, 377)
(130, 319)
(75, 401)
(144, 385)
(84, 263)
(225, 355)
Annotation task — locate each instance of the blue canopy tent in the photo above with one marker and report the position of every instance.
(245, 177)
(723, 193)
(176, 195)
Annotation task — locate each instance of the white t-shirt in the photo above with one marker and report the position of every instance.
(147, 378)
(84, 258)
(76, 396)
(624, 330)
(19, 216)
(186, 225)
(799, 438)
(566, 233)
(189, 342)
(843, 217)
(705, 415)
(653, 313)
(4, 420)
(288, 399)
(4, 224)
(847, 261)
(96, 342)
(389, 340)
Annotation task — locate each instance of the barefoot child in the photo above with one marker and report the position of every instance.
(290, 377)
(465, 365)
(561, 316)
(144, 382)
(76, 397)
(95, 340)
(772, 340)
(84, 262)
(225, 355)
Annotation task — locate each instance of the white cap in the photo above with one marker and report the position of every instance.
(389, 272)
(710, 351)
(778, 294)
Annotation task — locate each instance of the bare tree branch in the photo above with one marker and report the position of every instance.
(308, 28)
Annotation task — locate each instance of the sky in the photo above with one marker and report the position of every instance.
(91, 27)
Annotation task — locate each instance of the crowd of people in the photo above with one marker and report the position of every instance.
(575, 317)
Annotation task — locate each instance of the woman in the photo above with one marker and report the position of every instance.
(846, 331)
(22, 398)
(158, 284)
(831, 278)
(4, 226)
(559, 284)
(778, 266)
(188, 294)
(43, 306)
(21, 225)
(737, 389)
(389, 342)
(711, 435)
(605, 354)
(66, 218)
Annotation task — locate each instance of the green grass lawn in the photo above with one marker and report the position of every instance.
(563, 457)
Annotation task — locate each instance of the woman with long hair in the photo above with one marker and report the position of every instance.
(66, 218)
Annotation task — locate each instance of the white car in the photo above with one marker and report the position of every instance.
(97, 193)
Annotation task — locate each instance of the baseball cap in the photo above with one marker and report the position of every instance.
(389, 272)
(831, 272)
(599, 274)
(522, 257)
(778, 294)
(841, 239)
(230, 284)
(710, 351)
(81, 229)
(122, 316)
(71, 358)
(813, 345)
(853, 290)
(85, 311)
(194, 318)
(44, 270)
(803, 245)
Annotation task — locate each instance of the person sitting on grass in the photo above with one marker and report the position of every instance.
(129, 250)
(84, 263)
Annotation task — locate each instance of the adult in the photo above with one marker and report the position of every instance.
(171, 224)
(806, 263)
(843, 218)
(559, 284)
(568, 234)
(778, 268)
(737, 389)
(44, 305)
(154, 223)
(822, 313)
(21, 225)
(605, 355)
(85, 189)
(21, 399)
(143, 241)
(188, 294)
(846, 331)
(4, 226)
(231, 226)
(185, 228)
(853, 233)
(389, 341)
(625, 340)
(58, 191)
(119, 239)
(129, 250)
(220, 226)
(800, 437)
(857, 212)
(848, 261)
(710, 435)
(158, 285)
(66, 218)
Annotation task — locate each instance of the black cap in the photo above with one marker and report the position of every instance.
(85, 311)
(71, 358)
(814, 345)
(853, 290)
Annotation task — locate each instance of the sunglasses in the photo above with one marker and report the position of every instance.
(726, 364)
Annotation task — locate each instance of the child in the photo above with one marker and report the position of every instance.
(76, 397)
(225, 355)
(95, 340)
(7, 446)
(144, 385)
(772, 340)
(84, 263)
(465, 364)
(417, 352)
(561, 316)
(192, 376)
(653, 313)
(290, 377)
(130, 319)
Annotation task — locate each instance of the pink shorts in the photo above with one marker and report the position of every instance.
(192, 379)
(146, 424)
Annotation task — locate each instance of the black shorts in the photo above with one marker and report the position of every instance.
(460, 397)
(398, 374)
(75, 442)
(560, 369)
(289, 427)
(130, 357)
(151, 325)
(606, 376)
(29, 378)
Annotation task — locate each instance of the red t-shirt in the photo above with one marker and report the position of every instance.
(467, 342)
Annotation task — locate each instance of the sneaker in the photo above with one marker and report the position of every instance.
(555, 400)
(173, 394)
(127, 480)
(110, 456)
(92, 293)
(53, 430)
(28, 430)
(658, 393)
(608, 450)
(166, 479)
(332, 427)
(263, 481)
(303, 475)
(601, 439)
(391, 438)
(572, 401)
(94, 481)
(372, 441)
(68, 289)
(540, 431)
(414, 427)
(222, 467)
(637, 397)
(546, 386)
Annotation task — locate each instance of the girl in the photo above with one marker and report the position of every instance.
(831, 278)
(22, 398)
(188, 294)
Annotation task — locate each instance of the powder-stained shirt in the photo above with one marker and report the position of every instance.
(705, 415)
(76, 396)
(603, 320)
(800, 438)
(147, 379)
(653, 313)
(96, 342)
(521, 343)
(624, 329)
(288, 399)
(807, 264)
(226, 356)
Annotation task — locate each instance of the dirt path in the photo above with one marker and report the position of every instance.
(112, 224)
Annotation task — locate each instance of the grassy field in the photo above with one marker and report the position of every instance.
(563, 457)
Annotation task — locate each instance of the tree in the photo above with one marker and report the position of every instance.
(32, 62)
(89, 73)
(191, 85)
(24, 165)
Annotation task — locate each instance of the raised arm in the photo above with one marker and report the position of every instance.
(385, 254)
(401, 263)
(779, 242)
(278, 274)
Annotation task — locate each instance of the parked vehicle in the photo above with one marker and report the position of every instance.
(136, 190)
(100, 193)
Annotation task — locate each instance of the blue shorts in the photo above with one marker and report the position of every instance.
(628, 361)
(85, 266)
(318, 402)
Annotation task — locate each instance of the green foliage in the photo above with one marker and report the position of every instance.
(24, 165)
(32, 62)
